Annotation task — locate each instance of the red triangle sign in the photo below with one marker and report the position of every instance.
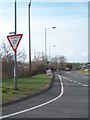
(14, 40)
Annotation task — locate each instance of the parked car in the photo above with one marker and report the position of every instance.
(49, 72)
(67, 69)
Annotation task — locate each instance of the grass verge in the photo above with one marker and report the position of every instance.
(26, 86)
(85, 70)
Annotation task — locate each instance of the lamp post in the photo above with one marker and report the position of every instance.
(29, 5)
(46, 45)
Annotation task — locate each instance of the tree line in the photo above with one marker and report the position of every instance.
(37, 66)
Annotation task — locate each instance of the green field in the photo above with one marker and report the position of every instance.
(26, 86)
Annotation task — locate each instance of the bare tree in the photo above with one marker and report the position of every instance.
(59, 61)
(21, 55)
(8, 54)
(62, 61)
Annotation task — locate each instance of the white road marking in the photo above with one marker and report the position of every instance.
(80, 83)
(38, 106)
(85, 85)
(64, 77)
(71, 80)
(75, 82)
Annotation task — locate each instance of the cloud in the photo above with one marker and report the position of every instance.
(85, 54)
(70, 35)
(77, 57)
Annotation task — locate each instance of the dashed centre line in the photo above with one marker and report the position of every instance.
(71, 80)
(74, 81)
(84, 85)
(80, 83)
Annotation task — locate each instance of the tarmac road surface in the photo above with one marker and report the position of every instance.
(68, 98)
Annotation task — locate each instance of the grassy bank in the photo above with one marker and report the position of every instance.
(85, 70)
(26, 86)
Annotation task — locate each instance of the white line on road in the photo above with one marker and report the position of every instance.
(38, 106)
(64, 77)
(80, 83)
(75, 82)
(85, 85)
(71, 80)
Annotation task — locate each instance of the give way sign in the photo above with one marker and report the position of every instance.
(14, 40)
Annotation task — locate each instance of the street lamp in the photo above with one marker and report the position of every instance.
(11, 32)
(29, 5)
(46, 45)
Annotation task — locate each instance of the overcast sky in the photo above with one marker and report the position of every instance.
(70, 19)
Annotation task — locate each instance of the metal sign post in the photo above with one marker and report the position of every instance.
(14, 41)
(15, 59)
(15, 72)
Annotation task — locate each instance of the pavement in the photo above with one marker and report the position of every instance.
(67, 98)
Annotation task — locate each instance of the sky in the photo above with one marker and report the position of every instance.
(69, 38)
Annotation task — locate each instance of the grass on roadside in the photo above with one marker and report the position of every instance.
(85, 70)
(26, 86)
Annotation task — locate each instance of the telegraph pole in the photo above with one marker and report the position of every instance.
(29, 5)
(45, 49)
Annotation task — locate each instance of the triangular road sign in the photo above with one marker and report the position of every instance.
(14, 40)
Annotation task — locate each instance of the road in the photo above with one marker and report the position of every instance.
(68, 98)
